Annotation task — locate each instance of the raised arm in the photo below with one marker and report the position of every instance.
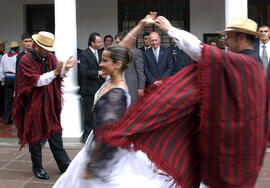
(189, 43)
(133, 34)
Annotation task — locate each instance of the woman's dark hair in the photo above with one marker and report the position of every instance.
(120, 53)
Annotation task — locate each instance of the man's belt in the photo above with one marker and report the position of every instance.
(9, 75)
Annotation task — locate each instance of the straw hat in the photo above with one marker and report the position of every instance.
(14, 44)
(3, 41)
(242, 25)
(45, 40)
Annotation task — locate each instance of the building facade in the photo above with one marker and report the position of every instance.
(73, 20)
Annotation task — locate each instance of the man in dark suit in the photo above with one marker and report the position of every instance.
(263, 48)
(27, 43)
(134, 74)
(90, 79)
(158, 63)
(180, 58)
(146, 42)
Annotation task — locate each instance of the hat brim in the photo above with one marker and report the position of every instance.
(256, 34)
(51, 49)
(14, 46)
(3, 41)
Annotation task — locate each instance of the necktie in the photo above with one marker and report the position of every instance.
(156, 54)
(264, 58)
(96, 54)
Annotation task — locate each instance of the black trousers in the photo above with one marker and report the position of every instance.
(9, 91)
(2, 100)
(88, 120)
(57, 149)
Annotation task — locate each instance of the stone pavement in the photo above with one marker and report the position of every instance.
(15, 165)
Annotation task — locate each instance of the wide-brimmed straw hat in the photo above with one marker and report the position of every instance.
(3, 41)
(45, 40)
(241, 25)
(14, 44)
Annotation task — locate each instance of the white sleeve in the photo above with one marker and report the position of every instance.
(63, 73)
(46, 79)
(189, 43)
(1, 71)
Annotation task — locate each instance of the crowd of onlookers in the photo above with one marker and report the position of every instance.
(8, 68)
(151, 64)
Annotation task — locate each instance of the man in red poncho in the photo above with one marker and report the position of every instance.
(38, 102)
(209, 122)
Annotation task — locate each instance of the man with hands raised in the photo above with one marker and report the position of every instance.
(38, 102)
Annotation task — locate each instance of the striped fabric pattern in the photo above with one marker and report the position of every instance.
(37, 109)
(234, 118)
(209, 122)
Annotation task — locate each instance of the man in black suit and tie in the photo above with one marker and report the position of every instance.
(146, 42)
(158, 61)
(90, 79)
(263, 48)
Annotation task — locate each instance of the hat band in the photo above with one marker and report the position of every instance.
(239, 28)
(44, 44)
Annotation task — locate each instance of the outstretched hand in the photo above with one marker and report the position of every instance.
(149, 18)
(70, 63)
(163, 23)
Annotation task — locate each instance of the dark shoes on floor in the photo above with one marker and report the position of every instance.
(40, 173)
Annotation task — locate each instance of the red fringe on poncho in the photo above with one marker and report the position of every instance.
(36, 110)
(209, 122)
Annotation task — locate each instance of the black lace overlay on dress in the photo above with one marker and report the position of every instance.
(109, 108)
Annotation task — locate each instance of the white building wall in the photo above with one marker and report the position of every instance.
(96, 16)
(207, 16)
(92, 16)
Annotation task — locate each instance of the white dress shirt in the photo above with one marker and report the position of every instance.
(95, 52)
(189, 43)
(267, 49)
(47, 78)
(157, 50)
(8, 64)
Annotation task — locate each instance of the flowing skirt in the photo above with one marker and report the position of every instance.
(132, 169)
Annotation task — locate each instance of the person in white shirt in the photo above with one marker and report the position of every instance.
(7, 78)
(37, 103)
(263, 46)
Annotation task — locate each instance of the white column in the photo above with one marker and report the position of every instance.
(66, 46)
(235, 8)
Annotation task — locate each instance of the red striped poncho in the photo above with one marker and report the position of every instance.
(209, 122)
(36, 110)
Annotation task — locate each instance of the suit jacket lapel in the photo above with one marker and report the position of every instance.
(91, 55)
(161, 53)
(152, 55)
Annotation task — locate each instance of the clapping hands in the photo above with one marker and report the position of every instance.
(70, 63)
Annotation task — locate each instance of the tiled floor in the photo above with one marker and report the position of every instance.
(7, 131)
(15, 165)
(15, 168)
